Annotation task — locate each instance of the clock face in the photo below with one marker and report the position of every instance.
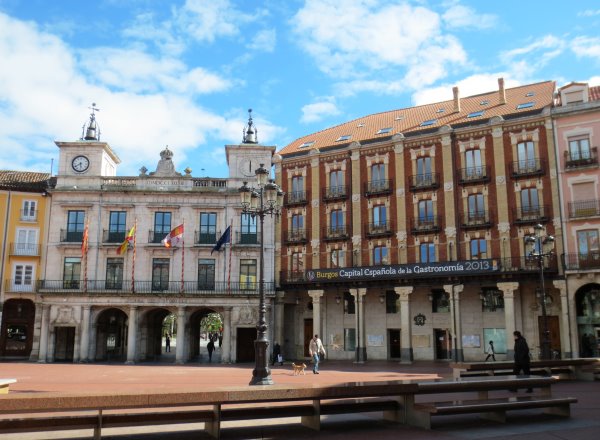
(80, 164)
(245, 168)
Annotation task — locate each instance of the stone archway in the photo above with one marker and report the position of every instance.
(111, 335)
(199, 337)
(587, 303)
(151, 336)
(18, 317)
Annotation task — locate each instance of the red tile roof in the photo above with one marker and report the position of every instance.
(594, 93)
(410, 119)
(23, 180)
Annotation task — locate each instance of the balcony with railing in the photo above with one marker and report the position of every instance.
(333, 193)
(426, 224)
(291, 276)
(155, 237)
(379, 229)
(206, 237)
(582, 261)
(104, 287)
(420, 182)
(473, 175)
(247, 238)
(28, 215)
(584, 209)
(296, 198)
(25, 249)
(378, 187)
(338, 232)
(581, 158)
(67, 236)
(19, 285)
(531, 214)
(477, 219)
(528, 168)
(109, 236)
(296, 235)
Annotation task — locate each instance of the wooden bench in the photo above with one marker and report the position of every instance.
(580, 368)
(491, 408)
(5, 385)
(52, 411)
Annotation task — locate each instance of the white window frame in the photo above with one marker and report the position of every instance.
(25, 217)
(21, 286)
(27, 247)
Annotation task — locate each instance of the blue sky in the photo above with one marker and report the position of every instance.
(183, 73)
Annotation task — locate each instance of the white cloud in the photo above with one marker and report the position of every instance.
(589, 13)
(264, 40)
(541, 50)
(319, 110)
(144, 28)
(586, 47)
(460, 16)
(368, 37)
(594, 81)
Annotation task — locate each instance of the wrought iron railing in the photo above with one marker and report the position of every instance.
(296, 198)
(476, 174)
(378, 187)
(28, 215)
(378, 229)
(335, 232)
(332, 193)
(424, 181)
(296, 235)
(529, 167)
(109, 236)
(582, 261)
(425, 224)
(67, 236)
(247, 238)
(476, 219)
(205, 237)
(25, 249)
(584, 208)
(581, 158)
(531, 214)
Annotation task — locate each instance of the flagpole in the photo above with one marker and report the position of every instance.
(133, 261)
(230, 251)
(182, 254)
(86, 233)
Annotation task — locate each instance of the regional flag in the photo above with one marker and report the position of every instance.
(174, 237)
(128, 239)
(225, 238)
(85, 240)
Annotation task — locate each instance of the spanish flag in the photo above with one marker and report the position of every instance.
(128, 239)
(174, 237)
(85, 240)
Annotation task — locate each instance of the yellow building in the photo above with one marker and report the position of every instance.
(23, 220)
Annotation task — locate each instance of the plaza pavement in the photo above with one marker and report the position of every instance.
(522, 425)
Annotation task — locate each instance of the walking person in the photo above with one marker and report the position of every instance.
(167, 343)
(522, 356)
(315, 349)
(210, 347)
(491, 353)
(277, 357)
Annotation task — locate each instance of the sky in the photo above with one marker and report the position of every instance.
(184, 73)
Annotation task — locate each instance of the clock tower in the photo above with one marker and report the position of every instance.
(245, 158)
(87, 157)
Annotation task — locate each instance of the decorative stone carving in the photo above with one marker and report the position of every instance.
(143, 171)
(450, 232)
(503, 227)
(355, 198)
(314, 243)
(356, 239)
(400, 192)
(315, 203)
(165, 167)
(448, 187)
(66, 315)
(247, 315)
(401, 236)
(500, 180)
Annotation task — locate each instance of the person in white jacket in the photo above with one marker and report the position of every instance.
(315, 349)
(491, 353)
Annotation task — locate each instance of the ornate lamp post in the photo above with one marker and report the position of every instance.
(265, 199)
(540, 246)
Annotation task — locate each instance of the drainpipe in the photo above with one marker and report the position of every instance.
(8, 201)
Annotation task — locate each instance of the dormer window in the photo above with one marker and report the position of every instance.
(307, 144)
(528, 94)
(384, 130)
(525, 105)
(475, 114)
(343, 138)
(428, 122)
(485, 102)
(440, 110)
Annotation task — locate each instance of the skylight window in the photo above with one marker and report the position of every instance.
(530, 94)
(486, 102)
(428, 122)
(361, 125)
(440, 110)
(398, 118)
(525, 105)
(307, 144)
(343, 138)
(475, 114)
(384, 130)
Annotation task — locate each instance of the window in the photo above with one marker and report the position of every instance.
(208, 228)
(71, 272)
(336, 222)
(343, 138)
(579, 149)
(297, 263)
(23, 277)
(587, 241)
(247, 274)
(478, 249)
(29, 211)
(160, 274)
(425, 211)
(307, 144)
(525, 105)
(379, 216)
(206, 274)
(384, 130)
(297, 193)
(498, 335)
(427, 252)
(75, 225)
(297, 227)
(440, 110)
(392, 302)
(114, 273)
(526, 156)
(475, 114)
(336, 182)
(530, 205)
(529, 94)
(474, 166)
(491, 299)
(378, 174)
(439, 301)
(162, 226)
(249, 235)
(337, 258)
(380, 255)
(484, 102)
(349, 339)
(476, 208)
(116, 226)
(26, 242)
(428, 122)
(423, 171)
(349, 304)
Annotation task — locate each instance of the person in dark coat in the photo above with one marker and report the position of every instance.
(210, 347)
(277, 354)
(522, 358)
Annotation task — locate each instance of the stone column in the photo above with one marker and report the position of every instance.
(406, 350)
(131, 335)
(279, 311)
(361, 346)
(356, 191)
(85, 334)
(508, 290)
(316, 301)
(453, 291)
(315, 196)
(226, 348)
(44, 333)
(180, 341)
(565, 341)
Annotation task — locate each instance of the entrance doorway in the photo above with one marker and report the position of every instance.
(443, 344)
(245, 344)
(554, 329)
(16, 336)
(308, 334)
(206, 325)
(111, 335)
(394, 343)
(64, 344)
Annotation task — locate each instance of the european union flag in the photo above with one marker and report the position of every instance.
(225, 238)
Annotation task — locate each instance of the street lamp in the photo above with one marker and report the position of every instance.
(541, 246)
(266, 198)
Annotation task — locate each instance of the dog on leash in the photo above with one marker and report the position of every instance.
(299, 368)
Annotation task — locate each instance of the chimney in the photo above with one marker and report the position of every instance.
(501, 92)
(456, 99)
